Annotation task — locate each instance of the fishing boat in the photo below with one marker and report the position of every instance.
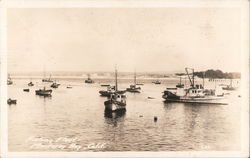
(11, 101)
(54, 85)
(229, 87)
(133, 88)
(9, 80)
(44, 92)
(116, 101)
(193, 94)
(47, 79)
(69, 86)
(30, 84)
(89, 80)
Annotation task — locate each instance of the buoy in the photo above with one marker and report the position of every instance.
(155, 118)
(140, 116)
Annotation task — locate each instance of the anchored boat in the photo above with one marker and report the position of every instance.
(54, 85)
(89, 80)
(133, 88)
(193, 94)
(11, 101)
(116, 101)
(30, 83)
(47, 79)
(157, 82)
(44, 92)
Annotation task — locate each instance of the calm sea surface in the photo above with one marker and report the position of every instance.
(75, 120)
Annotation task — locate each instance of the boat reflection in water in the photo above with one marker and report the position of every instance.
(114, 114)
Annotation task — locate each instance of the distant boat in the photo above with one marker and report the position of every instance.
(89, 80)
(47, 79)
(105, 85)
(116, 102)
(156, 82)
(139, 84)
(30, 83)
(151, 98)
(44, 92)
(26, 90)
(11, 101)
(180, 85)
(193, 94)
(229, 87)
(133, 87)
(9, 80)
(54, 85)
(69, 86)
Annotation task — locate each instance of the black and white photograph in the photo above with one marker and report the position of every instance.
(126, 79)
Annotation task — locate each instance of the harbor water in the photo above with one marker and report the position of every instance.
(74, 120)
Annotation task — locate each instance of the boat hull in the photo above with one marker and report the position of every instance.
(197, 101)
(170, 97)
(114, 106)
(44, 92)
(108, 93)
(46, 80)
(133, 90)
(10, 101)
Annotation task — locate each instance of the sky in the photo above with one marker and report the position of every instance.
(145, 39)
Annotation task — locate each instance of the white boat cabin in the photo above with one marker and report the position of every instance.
(118, 97)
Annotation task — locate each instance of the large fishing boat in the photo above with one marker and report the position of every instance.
(133, 88)
(193, 94)
(116, 101)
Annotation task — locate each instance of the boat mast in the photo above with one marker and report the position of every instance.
(192, 82)
(135, 78)
(203, 79)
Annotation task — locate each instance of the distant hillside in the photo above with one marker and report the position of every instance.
(215, 74)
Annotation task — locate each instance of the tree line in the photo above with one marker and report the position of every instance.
(215, 74)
